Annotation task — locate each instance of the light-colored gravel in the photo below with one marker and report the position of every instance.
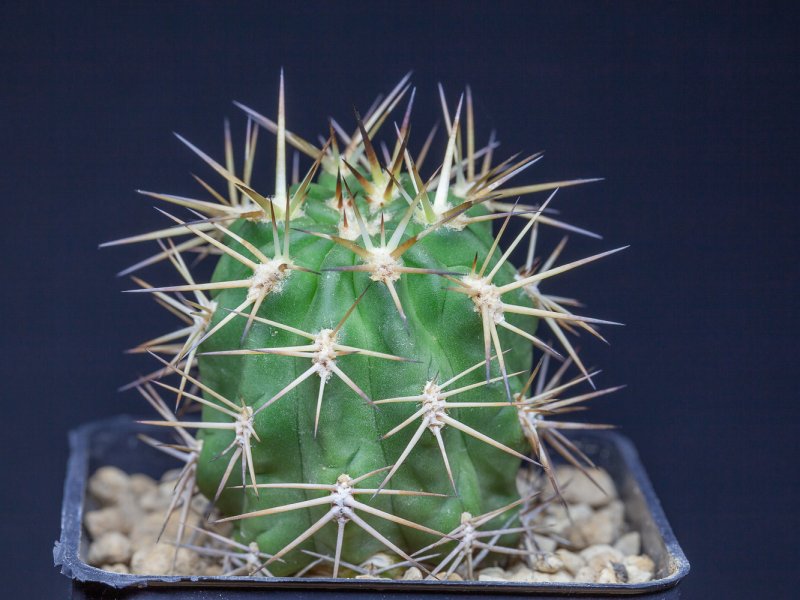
(111, 547)
(587, 541)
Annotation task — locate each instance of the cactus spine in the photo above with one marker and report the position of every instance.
(362, 351)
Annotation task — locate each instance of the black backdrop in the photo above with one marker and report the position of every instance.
(688, 112)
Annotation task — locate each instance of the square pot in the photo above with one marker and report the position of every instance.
(114, 442)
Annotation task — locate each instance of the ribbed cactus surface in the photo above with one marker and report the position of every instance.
(441, 337)
(363, 351)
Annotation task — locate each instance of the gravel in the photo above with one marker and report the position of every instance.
(586, 541)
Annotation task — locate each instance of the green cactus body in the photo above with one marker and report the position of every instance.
(443, 337)
(363, 351)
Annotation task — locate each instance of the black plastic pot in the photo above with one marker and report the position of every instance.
(114, 442)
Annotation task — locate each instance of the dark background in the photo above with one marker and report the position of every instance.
(690, 113)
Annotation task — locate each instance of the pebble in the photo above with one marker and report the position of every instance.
(492, 574)
(615, 512)
(153, 500)
(578, 512)
(157, 560)
(158, 497)
(586, 575)
(110, 548)
(140, 485)
(614, 573)
(165, 488)
(577, 487)
(412, 574)
(212, 570)
(544, 543)
(145, 532)
(170, 476)
(640, 568)
(629, 544)
(522, 573)
(547, 563)
(600, 555)
(561, 523)
(130, 509)
(378, 561)
(527, 575)
(572, 562)
(601, 527)
(604, 564)
(105, 520)
(108, 485)
(561, 577)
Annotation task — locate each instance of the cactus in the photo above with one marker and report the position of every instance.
(362, 351)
